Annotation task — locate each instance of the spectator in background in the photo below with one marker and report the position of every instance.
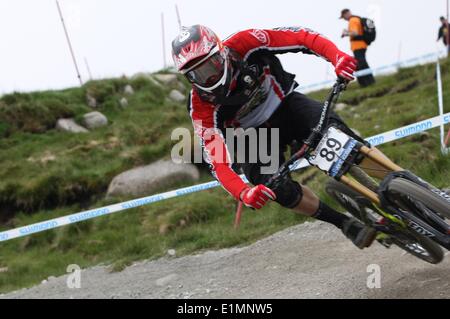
(359, 47)
(444, 32)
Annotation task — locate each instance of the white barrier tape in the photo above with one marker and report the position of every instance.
(387, 137)
(427, 57)
(409, 130)
(90, 214)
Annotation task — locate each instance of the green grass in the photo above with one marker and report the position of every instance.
(33, 188)
(41, 168)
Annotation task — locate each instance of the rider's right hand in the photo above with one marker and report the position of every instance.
(257, 197)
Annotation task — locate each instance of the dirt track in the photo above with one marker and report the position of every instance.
(307, 261)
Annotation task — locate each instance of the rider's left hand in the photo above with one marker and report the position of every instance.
(346, 67)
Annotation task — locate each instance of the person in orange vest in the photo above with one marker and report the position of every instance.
(358, 45)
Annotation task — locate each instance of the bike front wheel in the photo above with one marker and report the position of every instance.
(361, 208)
(419, 246)
(410, 194)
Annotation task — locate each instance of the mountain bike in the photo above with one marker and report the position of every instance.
(404, 209)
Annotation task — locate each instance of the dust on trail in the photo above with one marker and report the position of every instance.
(312, 260)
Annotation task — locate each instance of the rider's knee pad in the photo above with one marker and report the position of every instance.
(289, 193)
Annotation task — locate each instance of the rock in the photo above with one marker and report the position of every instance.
(156, 83)
(141, 75)
(146, 180)
(167, 79)
(166, 280)
(149, 77)
(69, 125)
(91, 101)
(4, 269)
(447, 191)
(164, 229)
(46, 158)
(123, 102)
(177, 96)
(340, 107)
(128, 90)
(172, 252)
(94, 120)
(377, 127)
(181, 87)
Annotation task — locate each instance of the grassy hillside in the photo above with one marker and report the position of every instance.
(42, 168)
(45, 173)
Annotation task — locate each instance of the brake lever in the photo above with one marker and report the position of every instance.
(343, 81)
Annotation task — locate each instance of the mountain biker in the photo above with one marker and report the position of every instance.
(240, 83)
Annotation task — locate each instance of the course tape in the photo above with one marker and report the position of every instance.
(409, 130)
(394, 66)
(387, 137)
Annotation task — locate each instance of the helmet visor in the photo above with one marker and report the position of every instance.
(208, 73)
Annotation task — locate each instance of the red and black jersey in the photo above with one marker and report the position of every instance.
(259, 86)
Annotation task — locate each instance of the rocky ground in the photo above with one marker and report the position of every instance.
(312, 260)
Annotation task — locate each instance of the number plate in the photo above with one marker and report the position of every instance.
(332, 152)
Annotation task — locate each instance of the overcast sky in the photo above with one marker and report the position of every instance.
(124, 36)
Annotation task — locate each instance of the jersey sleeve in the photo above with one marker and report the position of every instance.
(284, 40)
(204, 117)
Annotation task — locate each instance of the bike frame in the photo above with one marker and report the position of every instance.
(382, 204)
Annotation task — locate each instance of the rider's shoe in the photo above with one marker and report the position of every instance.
(361, 235)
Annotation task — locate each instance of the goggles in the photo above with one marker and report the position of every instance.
(210, 72)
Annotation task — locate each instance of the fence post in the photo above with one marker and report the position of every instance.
(444, 140)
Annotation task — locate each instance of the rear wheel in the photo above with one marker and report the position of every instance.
(356, 204)
(360, 207)
(361, 176)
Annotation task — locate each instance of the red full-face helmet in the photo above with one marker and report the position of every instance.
(199, 54)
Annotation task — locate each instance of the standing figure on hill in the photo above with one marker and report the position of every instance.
(360, 38)
(444, 33)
